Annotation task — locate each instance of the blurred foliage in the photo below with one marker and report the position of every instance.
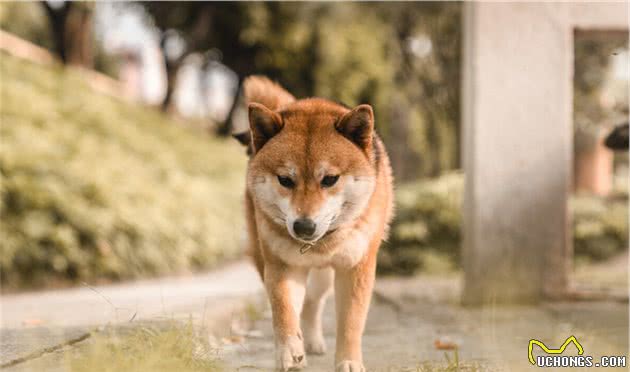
(600, 226)
(428, 221)
(30, 21)
(401, 57)
(93, 188)
(26, 20)
(592, 64)
(350, 52)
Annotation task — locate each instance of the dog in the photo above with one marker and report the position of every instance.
(319, 200)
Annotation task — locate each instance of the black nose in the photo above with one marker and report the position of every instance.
(304, 227)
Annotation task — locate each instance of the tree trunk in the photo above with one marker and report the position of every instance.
(171, 68)
(78, 36)
(226, 128)
(57, 19)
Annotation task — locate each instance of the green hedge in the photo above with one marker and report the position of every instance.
(600, 226)
(426, 231)
(92, 188)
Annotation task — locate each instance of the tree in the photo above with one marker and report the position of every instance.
(201, 26)
(71, 28)
(315, 49)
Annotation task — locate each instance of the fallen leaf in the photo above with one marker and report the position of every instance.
(32, 322)
(445, 344)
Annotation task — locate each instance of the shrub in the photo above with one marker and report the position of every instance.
(428, 222)
(600, 226)
(92, 188)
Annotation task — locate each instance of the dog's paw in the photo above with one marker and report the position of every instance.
(290, 356)
(315, 344)
(350, 366)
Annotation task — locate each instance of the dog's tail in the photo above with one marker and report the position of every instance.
(261, 90)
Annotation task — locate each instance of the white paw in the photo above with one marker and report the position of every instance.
(350, 366)
(315, 344)
(290, 355)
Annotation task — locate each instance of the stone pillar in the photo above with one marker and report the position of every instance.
(517, 154)
(517, 145)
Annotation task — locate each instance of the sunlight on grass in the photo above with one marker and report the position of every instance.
(174, 347)
(94, 188)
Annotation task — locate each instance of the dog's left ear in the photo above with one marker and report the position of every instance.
(358, 126)
(263, 124)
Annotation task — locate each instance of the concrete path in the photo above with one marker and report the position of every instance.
(413, 321)
(37, 320)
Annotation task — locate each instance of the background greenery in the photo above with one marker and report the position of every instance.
(92, 188)
(426, 233)
(96, 189)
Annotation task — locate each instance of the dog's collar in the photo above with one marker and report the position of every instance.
(307, 246)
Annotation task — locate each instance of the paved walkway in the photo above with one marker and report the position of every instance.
(410, 321)
(37, 320)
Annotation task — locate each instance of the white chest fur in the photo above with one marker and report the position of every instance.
(345, 247)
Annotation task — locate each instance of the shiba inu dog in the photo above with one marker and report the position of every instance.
(318, 203)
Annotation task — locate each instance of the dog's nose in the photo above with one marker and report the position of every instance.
(304, 227)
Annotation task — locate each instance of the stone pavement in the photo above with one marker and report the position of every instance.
(408, 317)
(31, 322)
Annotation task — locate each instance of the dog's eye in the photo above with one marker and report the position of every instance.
(286, 182)
(329, 181)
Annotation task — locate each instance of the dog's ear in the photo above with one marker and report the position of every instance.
(263, 124)
(245, 139)
(358, 126)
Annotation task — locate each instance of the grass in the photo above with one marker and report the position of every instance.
(174, 347)
(450, 363)
(96, 189)
(177, 347)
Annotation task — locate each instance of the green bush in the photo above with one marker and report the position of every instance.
(92, 188)
(600, 226)
(428, 220)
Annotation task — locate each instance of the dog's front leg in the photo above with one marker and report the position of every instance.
(285, 287)
(353, 291)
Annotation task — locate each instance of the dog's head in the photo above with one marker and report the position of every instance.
(312, 168)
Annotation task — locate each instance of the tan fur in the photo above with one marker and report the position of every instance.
(307, 140)
(261, 90)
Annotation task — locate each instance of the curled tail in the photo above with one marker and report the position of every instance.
(260, 89)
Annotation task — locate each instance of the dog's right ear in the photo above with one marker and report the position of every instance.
(244, 138)
(263, 124)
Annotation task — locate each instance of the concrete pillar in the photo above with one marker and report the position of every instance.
(517, 125)
(517, 122)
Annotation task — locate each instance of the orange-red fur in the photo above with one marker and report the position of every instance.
(309, 139)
